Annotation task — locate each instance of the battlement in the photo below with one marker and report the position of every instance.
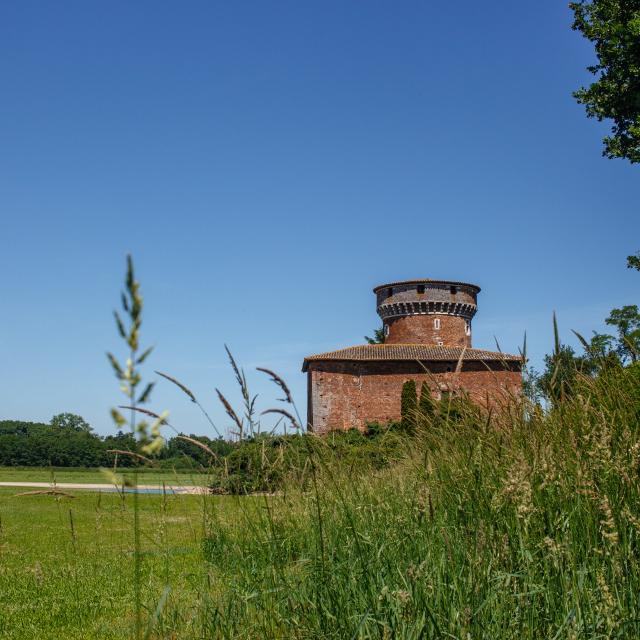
(427, 311)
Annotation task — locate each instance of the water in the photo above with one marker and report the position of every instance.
(175, 490)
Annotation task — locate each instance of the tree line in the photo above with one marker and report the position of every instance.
(69, 441)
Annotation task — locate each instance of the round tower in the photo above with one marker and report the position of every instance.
(437, 312)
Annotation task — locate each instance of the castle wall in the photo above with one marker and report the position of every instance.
(421, 329)
(345, 394)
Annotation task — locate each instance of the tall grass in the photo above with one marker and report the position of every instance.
(522, 530)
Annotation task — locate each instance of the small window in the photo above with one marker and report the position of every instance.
(420, 288)
(440, 343)
(389, 292)
(386, 329)
(454, 290)
(436, 323)
(467, 328)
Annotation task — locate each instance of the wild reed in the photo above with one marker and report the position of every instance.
(481, 532)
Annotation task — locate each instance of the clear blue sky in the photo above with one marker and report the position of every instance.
(268, 163)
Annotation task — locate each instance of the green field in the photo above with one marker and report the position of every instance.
(66, 564)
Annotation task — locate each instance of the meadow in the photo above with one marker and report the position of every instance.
(519, 525)
(65, 568)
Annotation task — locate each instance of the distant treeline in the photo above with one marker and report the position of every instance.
(69, 441)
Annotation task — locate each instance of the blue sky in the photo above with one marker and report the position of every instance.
(267, 164)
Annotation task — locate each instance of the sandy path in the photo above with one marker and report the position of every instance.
(105, 487)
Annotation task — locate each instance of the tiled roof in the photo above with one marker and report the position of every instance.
(447, 283)
(424, 352)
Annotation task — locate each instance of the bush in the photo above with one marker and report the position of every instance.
(271, 463)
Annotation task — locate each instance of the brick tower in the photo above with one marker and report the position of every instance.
(427, 327)
(436, 312)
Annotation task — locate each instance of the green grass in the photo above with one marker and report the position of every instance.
(523, 527)
(66, 565)
(91, 476)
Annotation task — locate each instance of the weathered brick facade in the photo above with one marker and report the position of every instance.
(428, 329)
(428, 339)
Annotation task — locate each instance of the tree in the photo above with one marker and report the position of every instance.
(633, 262)
(627, 322)
(408, 405)
(70, 421)
(561, 368)
(426, 405)
(601, 353)
(614, 28)
(378, 337)
(181, 447)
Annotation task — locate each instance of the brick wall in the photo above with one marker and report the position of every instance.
(421, 329)
(343, 394)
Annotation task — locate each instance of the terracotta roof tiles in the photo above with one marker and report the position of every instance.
(423, 352)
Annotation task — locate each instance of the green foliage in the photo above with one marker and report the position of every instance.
(561, 369)
(70, 442)
(57, 444)
(614, 28)
(378, 336)
(626, 320)
(458, 408)
(268, 463)
(184, 452)
(633, 262)
(258, 464)
(408, 405)
(603, 352)
(70, 421)
(426, 404)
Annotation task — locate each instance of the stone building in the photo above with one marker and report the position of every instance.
(427, 328)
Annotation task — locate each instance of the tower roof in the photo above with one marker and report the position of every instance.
(447, 283)
(415, 352)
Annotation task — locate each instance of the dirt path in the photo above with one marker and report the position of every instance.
(143, 488)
